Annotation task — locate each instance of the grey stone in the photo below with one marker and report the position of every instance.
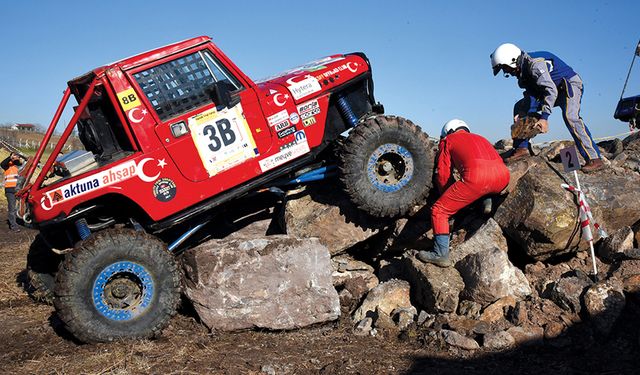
(455, 339)
(489, 276)
(567, 292)
(604, 303)
(274, 282)
(435, 289)
(498, 340)
(615, 246)
(363, 328)
(385, 298)
(404, 317)
(527, 335)
(425, 319)
(469, 309)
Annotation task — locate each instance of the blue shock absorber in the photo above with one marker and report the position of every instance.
(83, 228)
(346, 111)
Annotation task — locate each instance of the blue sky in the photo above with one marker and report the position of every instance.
(430, 59)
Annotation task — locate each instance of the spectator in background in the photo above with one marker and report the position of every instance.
(10, 166)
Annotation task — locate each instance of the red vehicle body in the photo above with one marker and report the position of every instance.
(174, 161)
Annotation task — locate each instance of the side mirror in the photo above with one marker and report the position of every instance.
(220, 94)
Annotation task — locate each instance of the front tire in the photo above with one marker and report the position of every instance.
(387, 166)
(118, 284)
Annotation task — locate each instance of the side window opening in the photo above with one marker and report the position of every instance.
(184, 84)
(99, 138)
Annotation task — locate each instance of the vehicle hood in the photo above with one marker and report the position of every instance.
(314, 78)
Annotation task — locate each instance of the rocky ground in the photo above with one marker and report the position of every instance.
(520, 298)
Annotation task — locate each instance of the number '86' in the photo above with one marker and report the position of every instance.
(129, 99)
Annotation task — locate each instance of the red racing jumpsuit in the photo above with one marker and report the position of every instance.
(481, 169)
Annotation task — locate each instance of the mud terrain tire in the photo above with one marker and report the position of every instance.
(387, 166)
(118, 284)
(42, 265)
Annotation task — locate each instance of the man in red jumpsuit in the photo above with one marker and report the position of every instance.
(482, 172)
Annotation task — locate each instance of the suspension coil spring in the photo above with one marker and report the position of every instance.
(346, 111)
(83, 228)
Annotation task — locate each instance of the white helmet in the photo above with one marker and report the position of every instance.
(453, 125)
(505, 55)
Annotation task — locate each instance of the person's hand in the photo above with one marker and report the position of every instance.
(542, 125)
(515, 118)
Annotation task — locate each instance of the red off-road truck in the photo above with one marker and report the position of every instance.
(160, 142)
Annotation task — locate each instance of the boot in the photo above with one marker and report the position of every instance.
(440, 254)
(519, 153)
(593, 165)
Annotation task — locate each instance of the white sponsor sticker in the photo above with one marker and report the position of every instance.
(307, 86)
(223, 138)
(290, 153)
(294, 118)
(308, 109)
(278, 117)
(111, 176)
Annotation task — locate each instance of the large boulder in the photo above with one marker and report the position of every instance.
(543, 218)
(328, 215)
(434, 289)
(488, 236)
(489, 275)
(274, 282)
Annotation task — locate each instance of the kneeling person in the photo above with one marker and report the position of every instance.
(482, 172)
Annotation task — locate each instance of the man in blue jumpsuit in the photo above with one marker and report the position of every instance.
(547, 82)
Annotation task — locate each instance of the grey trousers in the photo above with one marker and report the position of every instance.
(569, 100)
(11, 207)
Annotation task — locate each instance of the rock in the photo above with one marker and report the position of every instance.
(489, 275)
(384, 323)
(567, 292)
(363, 328)
(632, 284)
(541, 216)
(504, 144)
(614, 246)
(526, 335)
(353, 279)
(496, 310)
(553, 330)
(455, 339)
(425, 319)
(604, 303)
(637, 238)
(318, 214)
(435, 289)
(404, 317)
(611, 148)
(469, 309)
(274, 282)
(466, 326)
(384, 298)
(498, 340)
(412, 232)
(519, 315)
(488, 236)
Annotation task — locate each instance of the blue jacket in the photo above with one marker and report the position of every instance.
(541, 74)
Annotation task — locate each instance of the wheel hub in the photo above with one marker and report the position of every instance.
(123, 291)
(390, 167)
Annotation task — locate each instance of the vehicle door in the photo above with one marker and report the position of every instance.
(201, 112)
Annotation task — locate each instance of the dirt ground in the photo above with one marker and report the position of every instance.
(32, 341)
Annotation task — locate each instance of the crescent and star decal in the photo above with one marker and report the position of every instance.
(140, 170)
(278, 102)
(132, 116)
(352, 70)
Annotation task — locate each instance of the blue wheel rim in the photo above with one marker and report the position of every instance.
(400, 162)
(137, 280)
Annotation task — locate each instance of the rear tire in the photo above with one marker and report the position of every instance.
(387, 166)
(118, 284)
(42, 266)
